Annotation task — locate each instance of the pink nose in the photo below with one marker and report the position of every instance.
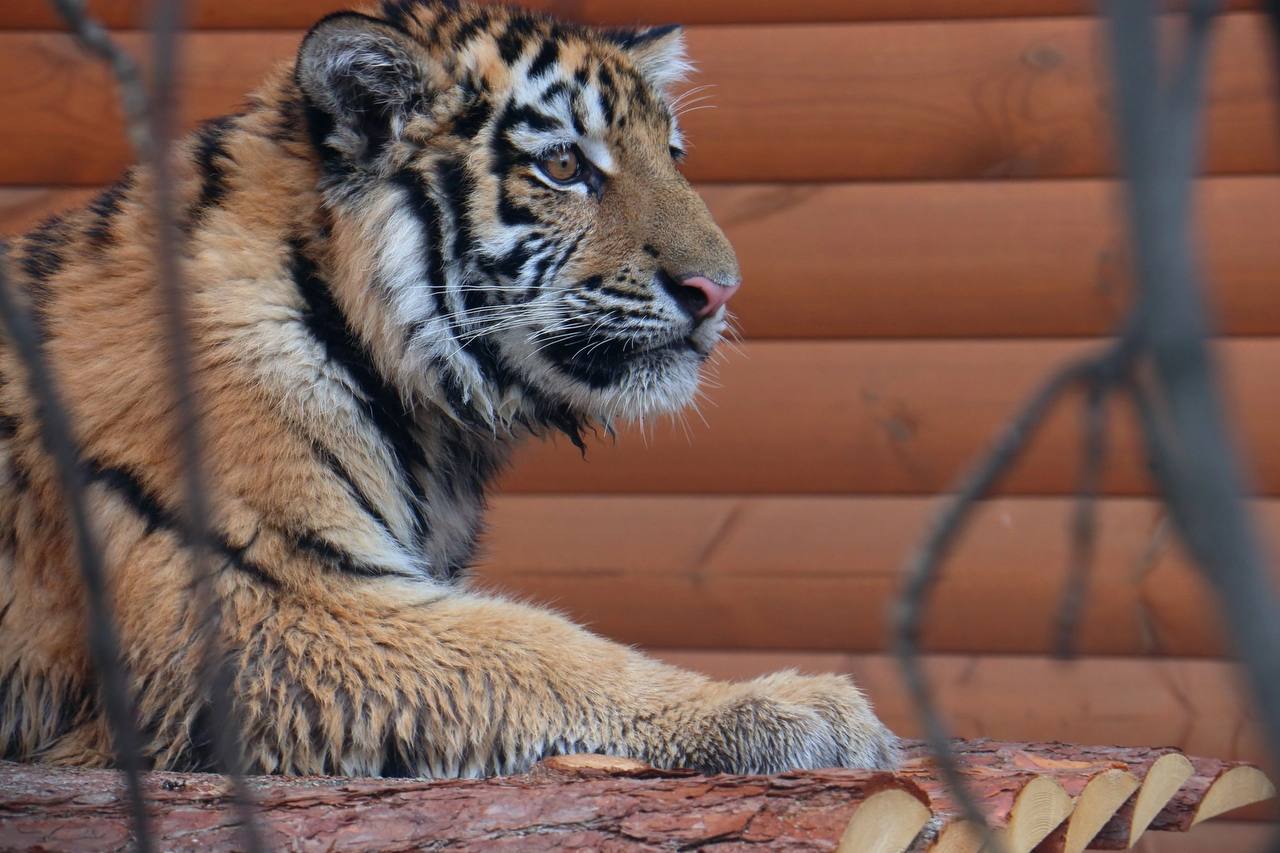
(717, 294)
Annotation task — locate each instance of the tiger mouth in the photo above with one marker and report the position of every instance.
(605, 362)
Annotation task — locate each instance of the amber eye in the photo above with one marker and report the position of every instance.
(563, 166)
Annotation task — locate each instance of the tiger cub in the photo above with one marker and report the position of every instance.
(442, 228)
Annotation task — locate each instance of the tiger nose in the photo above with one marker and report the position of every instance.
(715, 293)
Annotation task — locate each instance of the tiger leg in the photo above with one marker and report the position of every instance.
(470, 686)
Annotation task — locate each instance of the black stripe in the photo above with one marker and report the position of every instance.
(104, 208)
(456, 186)
(382, 402)
(211, 158)
(608, 95)
(42, 256)
(473, 117)
(158, 517)
(515, 114)
(478, 21)
(340, 559)
(627, 39)
(511, 212)
(511, 43)
(576, 113)
(512, 262)
(334, 464)
(553, 91)
(429, 216)
(546, 57)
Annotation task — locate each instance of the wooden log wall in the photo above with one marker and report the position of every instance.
(922, 194)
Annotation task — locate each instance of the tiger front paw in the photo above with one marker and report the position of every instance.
(787, 721)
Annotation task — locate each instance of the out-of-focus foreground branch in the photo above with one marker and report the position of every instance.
(1161, 362)
(150, 124)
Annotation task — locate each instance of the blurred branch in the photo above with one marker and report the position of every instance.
(1179, 405)
(150, 127)
(923, 569)
(104, 644)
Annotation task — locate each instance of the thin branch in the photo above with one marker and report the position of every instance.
(150, 124)
(1200, 474)
(1084, 519)
(104, 643)
(215, 667)
(923, 569)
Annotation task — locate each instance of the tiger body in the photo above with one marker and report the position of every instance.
(388, 289)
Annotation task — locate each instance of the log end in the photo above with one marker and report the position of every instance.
(886, 822)
(1167, 774)
(1097, 803)
(1239, 786)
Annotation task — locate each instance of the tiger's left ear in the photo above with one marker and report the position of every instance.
(364, 77)
(658, 53)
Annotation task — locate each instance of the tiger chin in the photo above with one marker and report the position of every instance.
(441, 229)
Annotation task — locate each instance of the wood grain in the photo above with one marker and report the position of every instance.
(907, 260)
(1214, 837)
(219, 14)
(1002, 98)
(1194, 705)
(883, 417)
(549, 809)
(822, 573)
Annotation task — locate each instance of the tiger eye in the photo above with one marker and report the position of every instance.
(562, 166)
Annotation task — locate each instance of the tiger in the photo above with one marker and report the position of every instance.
(441, 229)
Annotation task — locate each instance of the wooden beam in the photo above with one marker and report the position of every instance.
(292, 14)
(908, 260)
(1193, 705)
(1005, 98)
(810, 573)
(884, 417)
(1026, 791)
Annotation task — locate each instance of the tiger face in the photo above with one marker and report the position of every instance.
(515, 184)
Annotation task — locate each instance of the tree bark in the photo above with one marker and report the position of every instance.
(1045, 797)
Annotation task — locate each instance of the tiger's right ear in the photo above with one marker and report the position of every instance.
(362, 79)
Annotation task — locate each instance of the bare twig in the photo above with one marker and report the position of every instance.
(1199, 474)
(1192, 457)
(104, 644)
(1084, 521)
(922, 572)
(150, 124)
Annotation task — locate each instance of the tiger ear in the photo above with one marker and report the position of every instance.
(363, 78)
(658, 53)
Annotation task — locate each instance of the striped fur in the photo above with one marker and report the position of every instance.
(389, 291)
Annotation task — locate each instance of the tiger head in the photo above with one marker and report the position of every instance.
(510, 187)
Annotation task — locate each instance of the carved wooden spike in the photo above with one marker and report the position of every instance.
(1041, 805)
(1100, 800)
(1237, 787)
(1169, 773)
(886, 822)
(1038, 809)
(958, 837)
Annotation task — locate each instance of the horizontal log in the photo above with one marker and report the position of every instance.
(1193, 705)
(58, 809)
(252, 14)
(1024, 789)
(821, 573)
(1006, 98)
(884, 417)
(907, 260)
